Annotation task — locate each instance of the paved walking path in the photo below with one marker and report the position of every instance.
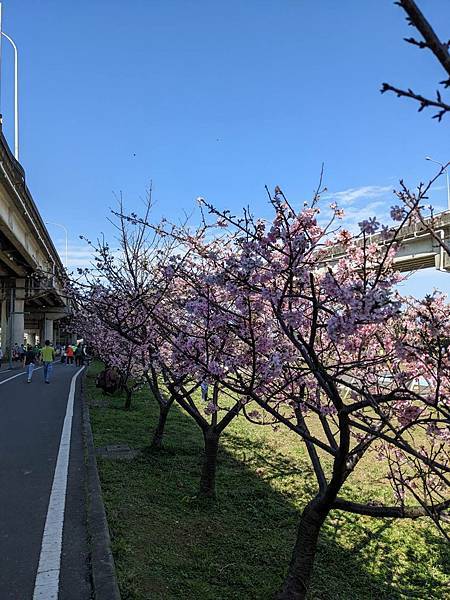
(42, 485)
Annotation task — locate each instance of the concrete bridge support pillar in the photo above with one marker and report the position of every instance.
(48, 330)
(3, 326)
(18, 316)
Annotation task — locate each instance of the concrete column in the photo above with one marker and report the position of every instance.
(48, 330)
(4, 327)
(18, 317)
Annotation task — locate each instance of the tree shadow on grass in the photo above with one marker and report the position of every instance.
(168, 545)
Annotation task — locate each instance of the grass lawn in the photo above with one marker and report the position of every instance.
(168, 546)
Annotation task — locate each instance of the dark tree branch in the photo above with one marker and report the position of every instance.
(440, 49)
(418, 20)
(312, 451)
(396, 512)
(424, 102)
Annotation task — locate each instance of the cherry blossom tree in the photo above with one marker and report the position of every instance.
(265, 321)
(109, 296)
(135, 296)
(335, 354)
(104, 343)
(176, 326)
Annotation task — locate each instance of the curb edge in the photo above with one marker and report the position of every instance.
(103, 572)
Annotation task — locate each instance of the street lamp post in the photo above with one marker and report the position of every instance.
(1, 28)
(66, 236)
(16, 94)
(445, 168)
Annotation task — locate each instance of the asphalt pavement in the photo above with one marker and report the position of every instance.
(34, 485)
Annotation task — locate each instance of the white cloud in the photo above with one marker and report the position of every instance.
(349, 196)
(360, 204)
(78, 255)
(355, 214)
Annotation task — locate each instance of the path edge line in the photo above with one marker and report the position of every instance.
(103, 571)
(47, 581)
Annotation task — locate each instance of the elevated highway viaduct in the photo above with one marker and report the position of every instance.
(418, 248)
(31, 272)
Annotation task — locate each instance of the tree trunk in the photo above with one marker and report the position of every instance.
(159, 431)
(129, 395)
(208, 478)
(296, 584)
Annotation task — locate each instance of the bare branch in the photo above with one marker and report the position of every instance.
(424, 102)
(440, 49)
(396, 512)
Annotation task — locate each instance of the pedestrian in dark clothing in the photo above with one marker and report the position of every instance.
(22, 352)
(29, 362)
(79, 356)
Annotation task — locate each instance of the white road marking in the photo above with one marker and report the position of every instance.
(46, 586)
(18, 375)
(23, 373)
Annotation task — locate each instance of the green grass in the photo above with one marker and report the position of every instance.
(168, 545)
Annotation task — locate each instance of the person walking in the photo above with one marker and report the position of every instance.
(29, 361)
(48, 356)
(79, 356)
(22, 352)
(69, 355)
(15, 352)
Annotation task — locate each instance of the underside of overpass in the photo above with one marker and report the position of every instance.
(31, 273)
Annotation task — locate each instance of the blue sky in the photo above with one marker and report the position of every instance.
(217, 99)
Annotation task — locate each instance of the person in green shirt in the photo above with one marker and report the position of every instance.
(48, 356)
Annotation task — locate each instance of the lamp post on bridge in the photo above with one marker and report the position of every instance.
(16, 84)
(16, 95)
(445, 168)
(66, 236)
